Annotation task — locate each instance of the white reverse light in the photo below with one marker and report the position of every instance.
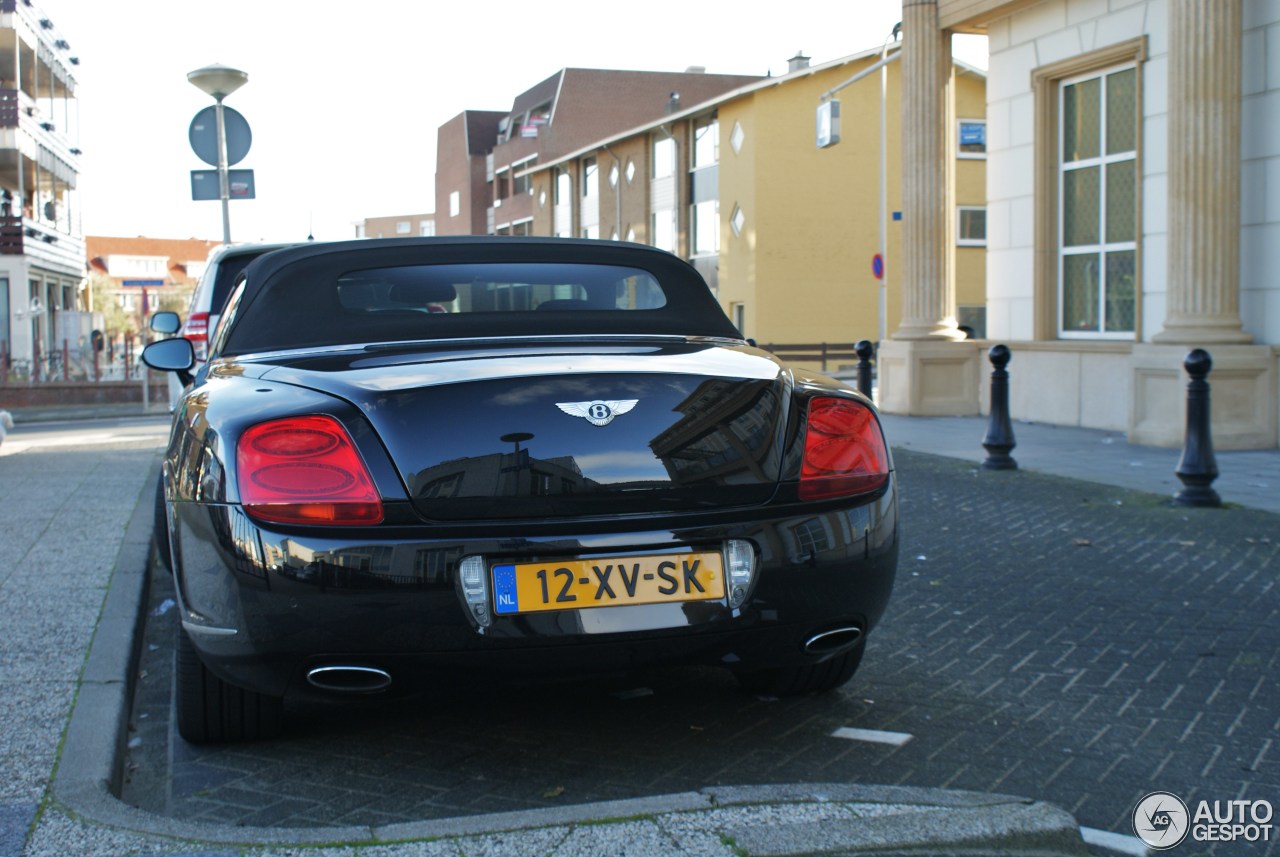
(740, 569)
(473, 578)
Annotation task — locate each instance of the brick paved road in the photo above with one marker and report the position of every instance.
(1050, 638)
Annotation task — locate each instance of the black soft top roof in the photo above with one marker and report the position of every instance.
(289, 298)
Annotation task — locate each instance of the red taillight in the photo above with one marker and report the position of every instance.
(197, 330)
(305, 470)
(844, 452)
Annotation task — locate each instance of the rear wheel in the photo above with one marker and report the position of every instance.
(807, 678)
(210, 710)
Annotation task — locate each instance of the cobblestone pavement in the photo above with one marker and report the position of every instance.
(1055, 639)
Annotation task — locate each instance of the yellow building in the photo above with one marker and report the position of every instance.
(784, 231)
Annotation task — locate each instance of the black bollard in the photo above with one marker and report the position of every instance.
(999, 440)
(864, 349)
(1198, 468)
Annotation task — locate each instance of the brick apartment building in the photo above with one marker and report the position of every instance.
(483, 157)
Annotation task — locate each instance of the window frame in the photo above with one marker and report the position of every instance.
(970, 242)
(659, 160)
(1046, 89)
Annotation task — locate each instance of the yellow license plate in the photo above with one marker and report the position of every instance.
(616, 581)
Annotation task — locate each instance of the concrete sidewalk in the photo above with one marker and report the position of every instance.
(76, 518)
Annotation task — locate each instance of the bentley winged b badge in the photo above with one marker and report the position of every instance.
(599, 412)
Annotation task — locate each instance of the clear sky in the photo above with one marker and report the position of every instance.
(344, 98)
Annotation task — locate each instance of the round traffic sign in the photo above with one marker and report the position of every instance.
(203, 134)
(877, 266)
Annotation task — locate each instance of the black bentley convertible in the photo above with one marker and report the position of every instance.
(410, 460)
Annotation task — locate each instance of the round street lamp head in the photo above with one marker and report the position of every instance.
(218, 80)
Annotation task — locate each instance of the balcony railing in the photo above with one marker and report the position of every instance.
(9, 107)
(11, 235)
(16, 232)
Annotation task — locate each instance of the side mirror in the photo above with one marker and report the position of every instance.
(171, 355)
(167, 323)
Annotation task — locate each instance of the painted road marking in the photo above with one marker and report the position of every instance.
(875, 736)
(1117, 842)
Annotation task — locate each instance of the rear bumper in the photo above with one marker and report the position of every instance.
(264, 607)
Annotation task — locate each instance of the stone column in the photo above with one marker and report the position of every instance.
(1203, 286)
(1203, 300)
(924, 368)
(928, 197)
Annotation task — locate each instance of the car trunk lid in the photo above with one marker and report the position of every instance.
(553, 431)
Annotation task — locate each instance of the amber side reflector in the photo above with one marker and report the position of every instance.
(844, 451)
(305, 470)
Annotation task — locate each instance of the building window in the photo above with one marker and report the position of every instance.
(704, 189)
(562, 205)
(1088, 194)
(4, 315)
(706, 228)
(1097, 192)
(522, 180)
(738, 311)
(426, 228)
(403, 227)
(971, 226)
(455, 204)
(590, 177)
(663, 230)
(737, 221)
(664, 157)
(971, 138)
(706, 144)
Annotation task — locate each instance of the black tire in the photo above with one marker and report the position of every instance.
(209, 710)
(807, 678)
(161, 534)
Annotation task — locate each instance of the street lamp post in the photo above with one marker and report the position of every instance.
(220, 81)
(829, 135)
(883, 304)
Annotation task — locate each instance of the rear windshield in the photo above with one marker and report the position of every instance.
(435, 301)
(497, 288)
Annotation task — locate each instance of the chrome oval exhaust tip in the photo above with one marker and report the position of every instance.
(348, 679)
(833, 640)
